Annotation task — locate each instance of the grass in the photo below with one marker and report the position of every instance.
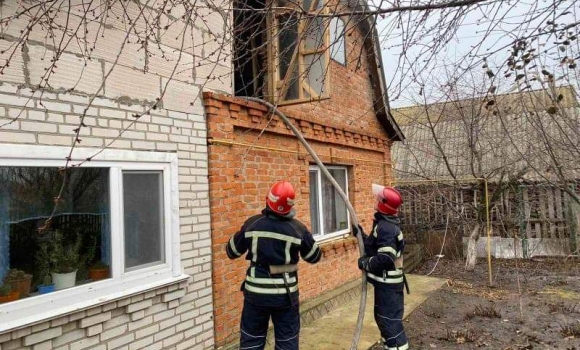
(461, 336)
(564, 308)
(484, 311)
(571, 330)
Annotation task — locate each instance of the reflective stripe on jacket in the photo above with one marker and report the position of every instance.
(384, 245)
(269, 239)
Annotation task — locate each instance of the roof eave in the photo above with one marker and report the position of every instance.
(373, 48)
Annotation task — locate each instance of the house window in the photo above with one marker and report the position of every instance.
(337, 41)
(328, 212)
(301, 53)
(143, 216)
(113, 232)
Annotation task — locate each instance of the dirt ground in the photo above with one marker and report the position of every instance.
(469, 314)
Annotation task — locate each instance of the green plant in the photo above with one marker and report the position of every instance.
(47, 280)
(57, 255)
(91, 252)
(99, 265)
(5, 290)
(15, 275)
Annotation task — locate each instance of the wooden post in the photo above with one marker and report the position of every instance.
(573, 221)
(523, 208)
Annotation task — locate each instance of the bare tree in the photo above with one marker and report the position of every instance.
(178, 37)
(473, 134)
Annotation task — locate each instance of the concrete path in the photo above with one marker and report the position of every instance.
(335, 330)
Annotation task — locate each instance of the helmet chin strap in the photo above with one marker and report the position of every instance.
(363, 294)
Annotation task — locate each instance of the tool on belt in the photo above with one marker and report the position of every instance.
(399, 265)
(278, 269)
(285, 270)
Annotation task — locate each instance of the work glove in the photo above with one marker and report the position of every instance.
(363, 263)
(356, 230)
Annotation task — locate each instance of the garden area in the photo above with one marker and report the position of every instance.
(532, 304)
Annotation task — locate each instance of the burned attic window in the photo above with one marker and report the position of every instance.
(301, 53)
(250, 51)
(279, 53)
(287, 39)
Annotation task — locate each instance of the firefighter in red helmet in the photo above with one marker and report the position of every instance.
(383, 263)
(274, 241)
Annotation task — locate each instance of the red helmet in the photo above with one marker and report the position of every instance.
(281, 197)
(388, 199)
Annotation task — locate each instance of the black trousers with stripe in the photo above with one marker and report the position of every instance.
(254, 325)
(389, 310)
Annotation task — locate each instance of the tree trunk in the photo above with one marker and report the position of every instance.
(471, 255)
(574, 224)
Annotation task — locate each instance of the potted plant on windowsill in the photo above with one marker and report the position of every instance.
(62, 260)
(7, 294)
(47, 286)
(19, 280)
(99, 271)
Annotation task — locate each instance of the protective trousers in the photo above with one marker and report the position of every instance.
(254, 326)
(389, 310)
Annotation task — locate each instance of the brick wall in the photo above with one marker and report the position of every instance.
(158, 319)
(343, 130)
(351, 96)
(240, 179)
(172, 317)
(181, 323)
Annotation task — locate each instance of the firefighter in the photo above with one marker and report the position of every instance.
(383, 262)
(273, 240)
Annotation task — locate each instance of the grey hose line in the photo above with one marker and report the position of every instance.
(363, 294)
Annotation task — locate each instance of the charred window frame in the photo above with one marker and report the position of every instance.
(281, 53)
(250, 49)
(299, 52)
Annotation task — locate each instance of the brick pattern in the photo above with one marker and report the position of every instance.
(342, 132)
(175, 317)
(350, 105)
(153, 319)
(113, 330)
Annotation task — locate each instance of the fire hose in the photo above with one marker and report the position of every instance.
(298, 134)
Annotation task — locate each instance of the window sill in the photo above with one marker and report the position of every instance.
(332, 236)
(25, 313)
(339, 243)
(303, 100)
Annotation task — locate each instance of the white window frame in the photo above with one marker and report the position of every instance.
(323, 235)
(122, 283)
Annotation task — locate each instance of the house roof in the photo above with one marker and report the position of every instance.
(512, 103)
(375, 60)
(507, 137)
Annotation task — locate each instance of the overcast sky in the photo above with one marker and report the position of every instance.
(478, 28)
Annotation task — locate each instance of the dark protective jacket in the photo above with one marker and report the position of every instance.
(271, 239)
(384, 245)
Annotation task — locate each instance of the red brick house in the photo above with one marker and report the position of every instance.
(341, 108)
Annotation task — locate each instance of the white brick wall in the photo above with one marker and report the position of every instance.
(166, 318)
(174, 317)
